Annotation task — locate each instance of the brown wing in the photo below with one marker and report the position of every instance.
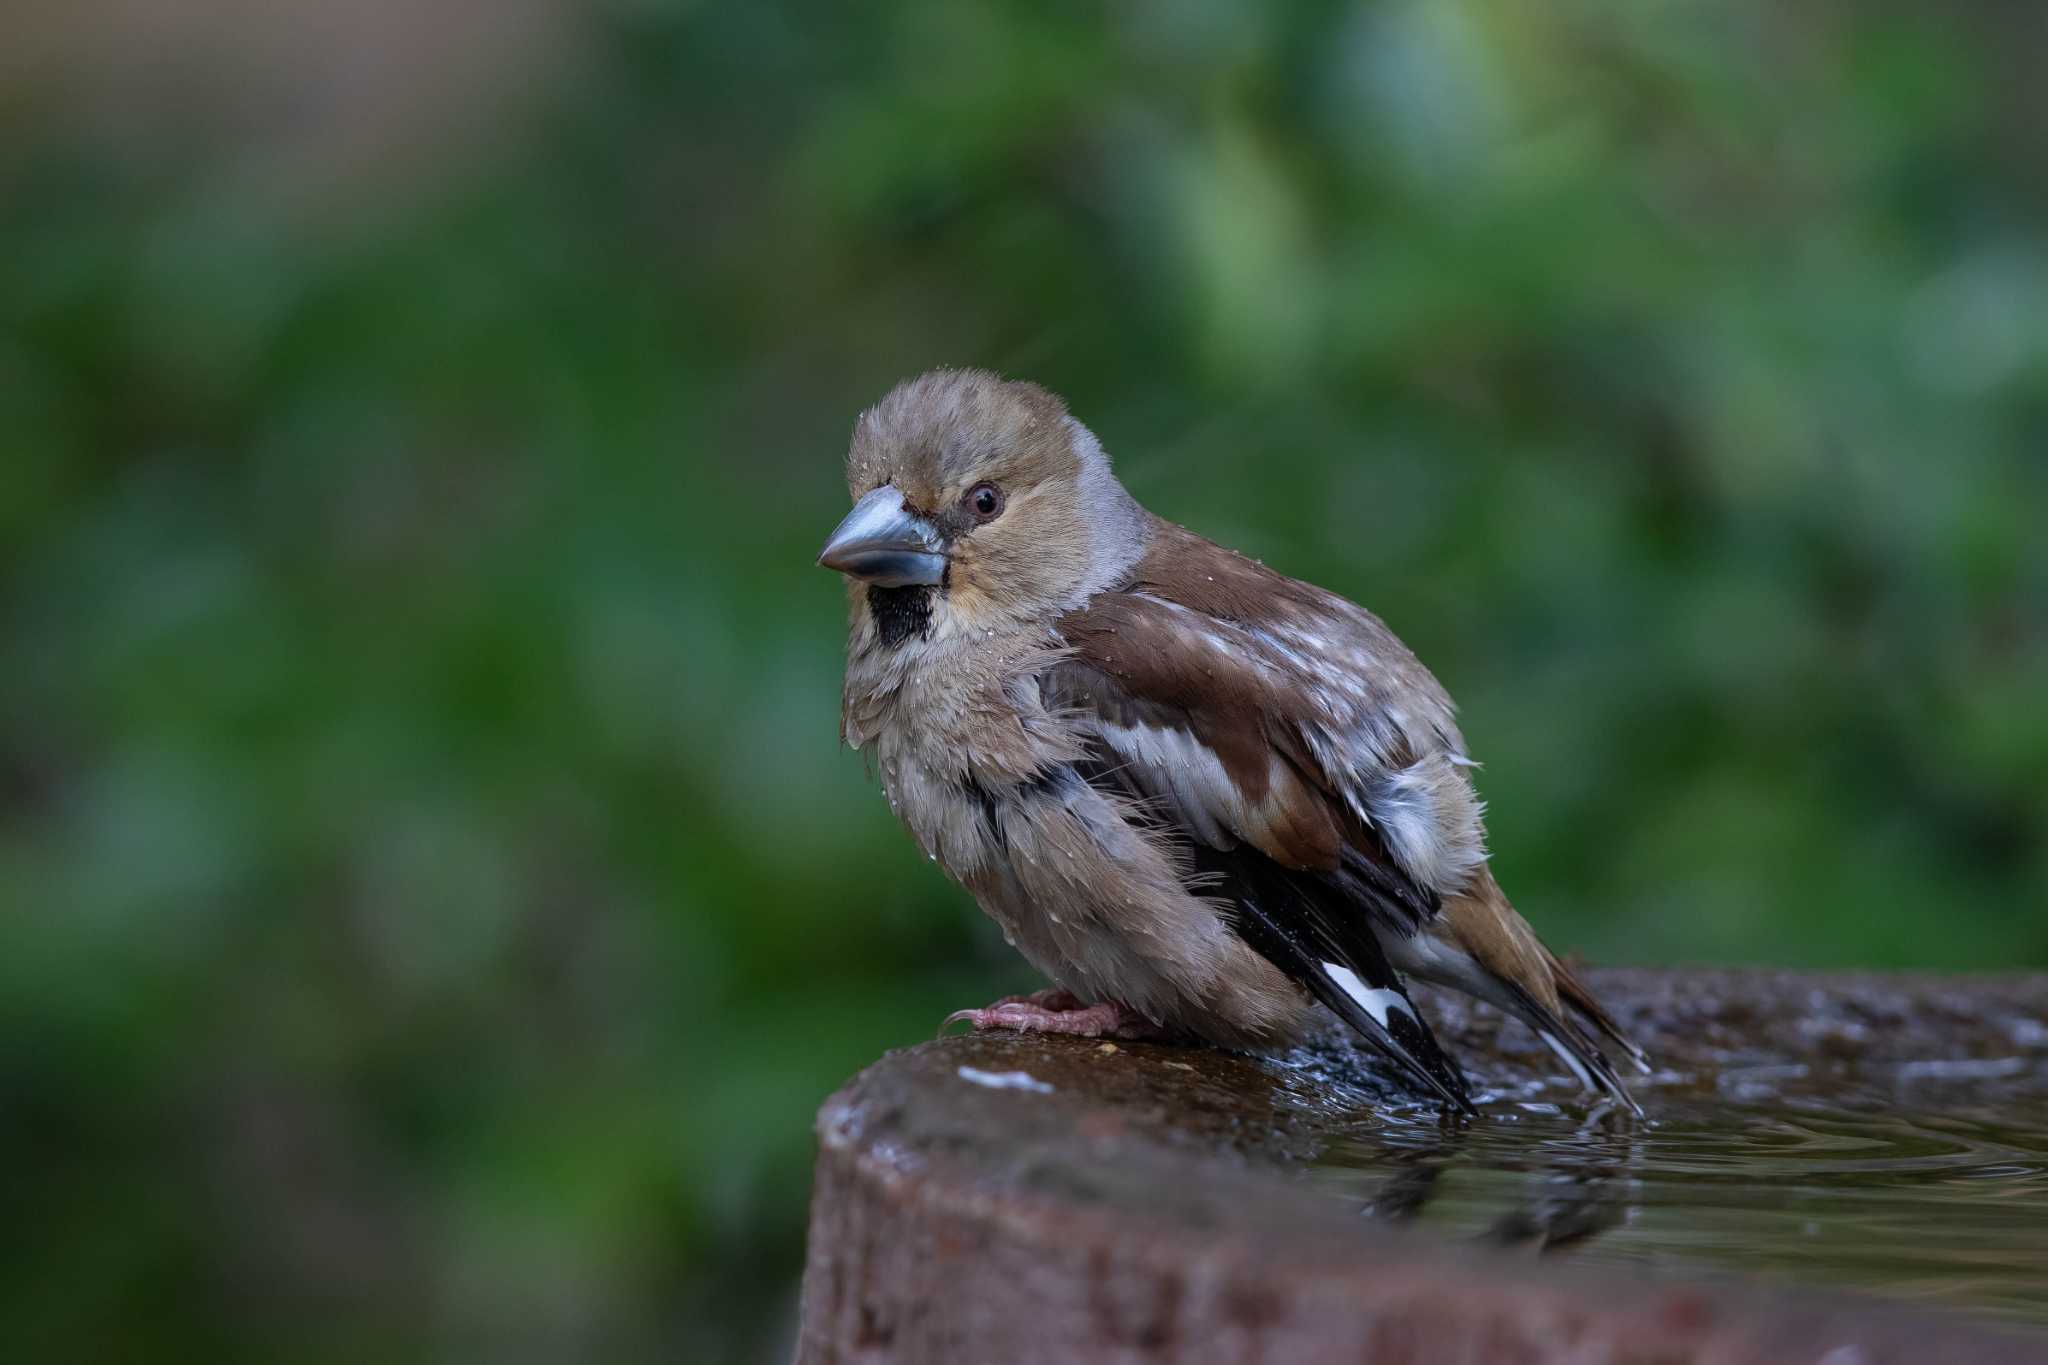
(1208, 735)
(1194, 719)
(1379, 733)
(1263, 716)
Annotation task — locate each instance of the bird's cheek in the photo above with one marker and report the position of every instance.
(965, 589)
(965, 563)
(976, 590)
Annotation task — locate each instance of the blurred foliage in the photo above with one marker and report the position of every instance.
(434, 902)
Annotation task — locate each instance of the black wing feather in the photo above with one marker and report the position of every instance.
(1288, 918)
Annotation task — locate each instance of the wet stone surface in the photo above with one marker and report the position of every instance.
(1846, 1164)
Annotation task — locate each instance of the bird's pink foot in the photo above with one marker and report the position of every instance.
(1057, 1011)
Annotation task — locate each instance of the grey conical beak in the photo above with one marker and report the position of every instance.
(884, 543)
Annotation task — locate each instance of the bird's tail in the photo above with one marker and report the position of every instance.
(1574, 993)
(1580, 1054)
(1498, 957)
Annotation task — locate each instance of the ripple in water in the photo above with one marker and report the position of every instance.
(1920, 1189)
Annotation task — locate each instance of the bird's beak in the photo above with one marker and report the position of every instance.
(884, 543)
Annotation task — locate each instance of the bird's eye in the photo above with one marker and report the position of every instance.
(985, 500)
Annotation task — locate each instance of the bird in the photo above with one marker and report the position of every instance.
(1201, 797)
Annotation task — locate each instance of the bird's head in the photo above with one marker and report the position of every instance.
(985, 494)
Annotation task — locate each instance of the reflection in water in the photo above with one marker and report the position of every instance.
(1553, 1204)
(1925, 1186)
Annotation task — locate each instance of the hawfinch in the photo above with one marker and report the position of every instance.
(1199, 795)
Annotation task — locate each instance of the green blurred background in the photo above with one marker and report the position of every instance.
(434, 901)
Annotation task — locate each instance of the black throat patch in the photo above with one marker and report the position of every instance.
(900, 613)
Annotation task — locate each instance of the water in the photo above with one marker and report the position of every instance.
(1881, 1134)
(1922, 1182)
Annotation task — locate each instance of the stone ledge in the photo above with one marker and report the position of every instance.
(1138, 1204)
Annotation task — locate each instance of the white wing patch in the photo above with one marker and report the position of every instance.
(1190, 772)
(1189, 776)
(1375, 1001)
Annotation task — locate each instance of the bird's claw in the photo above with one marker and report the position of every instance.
(1054, 1011)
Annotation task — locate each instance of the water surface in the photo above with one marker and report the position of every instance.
(1925, 1182)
